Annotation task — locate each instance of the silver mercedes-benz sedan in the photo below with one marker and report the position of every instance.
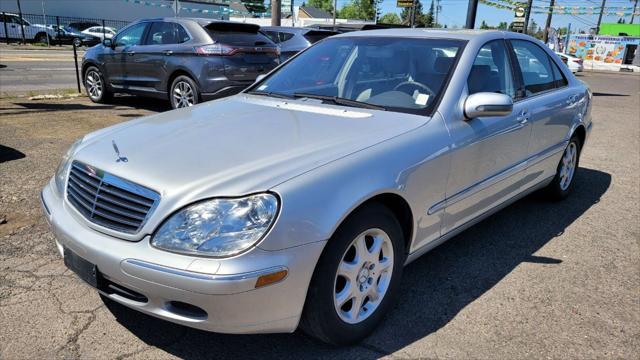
(297, 202)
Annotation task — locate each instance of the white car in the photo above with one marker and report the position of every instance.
(98, 32)
(573, 63)
(32, 32)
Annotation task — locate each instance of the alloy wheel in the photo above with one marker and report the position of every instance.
(568, 168)
(363, 276)
(94, 84)
(183, 94)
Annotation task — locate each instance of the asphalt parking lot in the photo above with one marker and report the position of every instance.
(536, 280)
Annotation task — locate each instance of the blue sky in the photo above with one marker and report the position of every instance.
(454, 12)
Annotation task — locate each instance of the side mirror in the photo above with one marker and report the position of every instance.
(260, 77)
(108, 43)
(487, 104)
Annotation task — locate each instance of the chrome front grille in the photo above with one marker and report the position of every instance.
(108, 200)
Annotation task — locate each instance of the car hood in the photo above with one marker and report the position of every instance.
(237, 145)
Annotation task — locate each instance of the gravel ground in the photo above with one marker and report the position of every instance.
(536, 280)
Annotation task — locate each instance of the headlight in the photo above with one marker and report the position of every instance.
(63, 167)
(218, 227)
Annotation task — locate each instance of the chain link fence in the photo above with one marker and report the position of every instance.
(56, 30)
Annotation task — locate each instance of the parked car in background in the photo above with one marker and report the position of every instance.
(67, 35)
(298, 202)
(294, 39)
(343, 28)
(32, 32)
(82, 25)
(180, 59)
(575, 64)
(100, 32)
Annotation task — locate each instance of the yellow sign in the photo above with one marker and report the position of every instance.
(404, 3)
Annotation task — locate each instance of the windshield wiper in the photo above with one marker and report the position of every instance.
(340, 101)
(270, 93)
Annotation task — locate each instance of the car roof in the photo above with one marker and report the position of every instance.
(461, 34)
(200, 21)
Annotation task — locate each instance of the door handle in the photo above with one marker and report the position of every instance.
(572, 99)
(523, 118)
(168, 52)
(131, 53)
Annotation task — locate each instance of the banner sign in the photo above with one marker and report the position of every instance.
(404, 3)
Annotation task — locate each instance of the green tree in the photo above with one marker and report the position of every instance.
(359, 9)
(390, 18)
(326, 5)
(484, 26)
(503, 25)
(428, 17)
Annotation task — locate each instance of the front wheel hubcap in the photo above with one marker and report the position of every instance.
(94, 84)
(363, 276)
(568, 167)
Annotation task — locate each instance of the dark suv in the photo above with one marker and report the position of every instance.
(180, 59)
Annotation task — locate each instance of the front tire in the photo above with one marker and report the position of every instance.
(41, 38)
(357, 277)
(562, 183)
(95, 85)
(184, 92)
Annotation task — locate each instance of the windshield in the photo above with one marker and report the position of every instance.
(400, 74)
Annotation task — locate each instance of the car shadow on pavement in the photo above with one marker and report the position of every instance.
(141, 102)
(435, 288)
(8, 154)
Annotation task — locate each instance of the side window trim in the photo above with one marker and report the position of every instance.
(515, 69)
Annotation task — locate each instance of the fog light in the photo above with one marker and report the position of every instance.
(269, 279)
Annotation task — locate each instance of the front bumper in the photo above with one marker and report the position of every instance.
(224, 289)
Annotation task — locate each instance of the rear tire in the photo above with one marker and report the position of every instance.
(41, 38)
(361, 264)
(562, 183)
(183, 92)
(95, 86)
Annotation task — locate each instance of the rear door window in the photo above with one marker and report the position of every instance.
(535, 66)
(165, 33)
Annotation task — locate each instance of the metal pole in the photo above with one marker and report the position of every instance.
(276, 8)
(526, 16)
(437, 6)
(633, 13)
(104, 32)
(44, 21)
(600, 17)
(566, 40)
(75, 60)
(4, 21)
(547, 27)
(21, 23)
(472, 9)
(293, 17)
(335, 10)
(59, 30)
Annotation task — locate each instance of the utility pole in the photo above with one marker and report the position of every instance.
(600, 17)
(547, 27)
(276, 8)
(44, 21)
(293, 16)
(633, 13)
(437, 6)
(471, 14)
(335, 10)
(412, 15)
(21, 23)
(526, 15)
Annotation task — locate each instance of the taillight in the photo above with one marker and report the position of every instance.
(216, 50)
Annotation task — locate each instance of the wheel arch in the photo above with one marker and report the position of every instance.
(178, 72)
(393, 201)
(581, 132)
